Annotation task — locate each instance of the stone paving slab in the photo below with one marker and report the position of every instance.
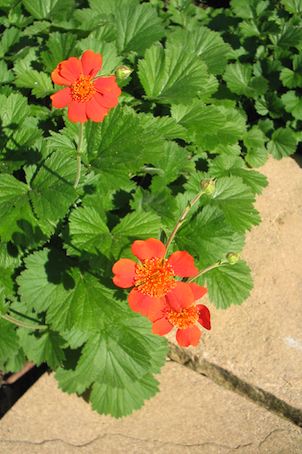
(191, 415)
(261, 341)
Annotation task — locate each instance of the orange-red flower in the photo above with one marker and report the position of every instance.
(156, 293)
(183, 314)
(86, 96)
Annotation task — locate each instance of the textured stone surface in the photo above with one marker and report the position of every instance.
(190, 415)
(261, 341)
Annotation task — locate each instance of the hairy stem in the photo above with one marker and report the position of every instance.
(13, 320)
(209, 268)
(182, 218)
(79, 152)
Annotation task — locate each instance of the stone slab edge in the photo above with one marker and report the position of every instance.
(225, 378)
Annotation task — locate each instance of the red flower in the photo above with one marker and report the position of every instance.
(184, 315)
(153, 277)
(85, 96)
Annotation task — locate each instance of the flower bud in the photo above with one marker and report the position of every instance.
(232, 257)
(123, 72)
(208, 186)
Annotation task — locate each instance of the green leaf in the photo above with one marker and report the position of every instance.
(206, 236)
(290, 36)
(88, 230)
(228, 165)
(210, 125)
(120, 359)
(245, 10)
(292, 78)
(42, 347)
(13, 109)
(52, 187)
(229, 284)
(236, 201)
(292, 6)
(9, 344)
(283, 143)
(254, 140)
(40, 83)
(6, 75)
(206, 44)
(45, 9)
(138, 26)
(171, 75)
(10, 36)
(17, 222)
(121, 143)
(292, 104)
(60, 46)
(238, 77)
(173, 162)
(137, 225)
(118, 402)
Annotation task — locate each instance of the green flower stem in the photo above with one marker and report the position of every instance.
(209, 268)
(182, 218)
(13, 320)
(79, 152)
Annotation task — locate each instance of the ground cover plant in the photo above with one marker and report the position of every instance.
(122, 167)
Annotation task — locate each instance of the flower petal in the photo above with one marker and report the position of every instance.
(77, 111)
(161, 327)
(146, 305)
(71, 69)
(198, 290)
(204, 316)
(147, 249)
(124, 270)
(107, 100)
(62, 98)
(180, 297)
(94, 111)
(91, 63)
(57, 78)
(107, 85)
(188, 336)
(183, 264)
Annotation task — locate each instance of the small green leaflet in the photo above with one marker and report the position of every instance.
(88, 230)
(239, 80)
(293, 104)
(283, 143)
(40, 83)
(210, 125)
(204, 43)
(254, 140)
(72, 299)
(9, 344)
(42, 347)
(52, 187)
(119, 362)
(138, 26)
(10, 36)
(293, 6)
(206, 236)
(45, 9)
(60, 46)
(230, 165)
(13, 109)
(236, 201)
(229, 284)
(122, 143)
(171, 75)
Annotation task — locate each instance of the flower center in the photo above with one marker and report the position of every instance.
(154, 277)
(82, 90)
(187, 317)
